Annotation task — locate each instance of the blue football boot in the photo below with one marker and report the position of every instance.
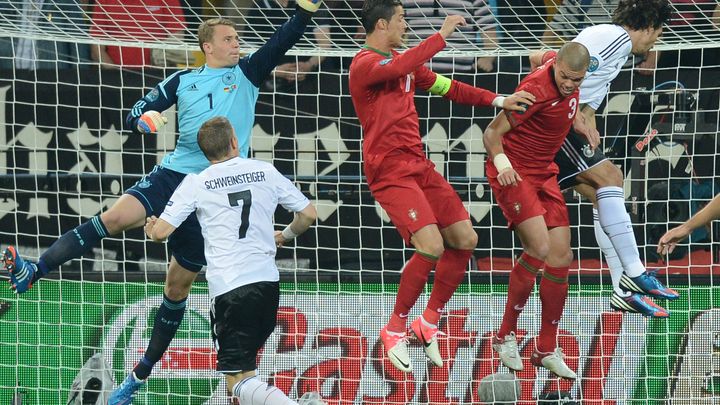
(638, 303)
(649, 285)
(22, 272)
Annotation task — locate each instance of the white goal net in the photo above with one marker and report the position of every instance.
(70, 70)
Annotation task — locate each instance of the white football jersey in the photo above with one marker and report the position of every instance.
(235, 202)
(609, 46)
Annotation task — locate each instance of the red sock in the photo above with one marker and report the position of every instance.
(450, 272)
(522, 280)
(553, 292)
(412, 281)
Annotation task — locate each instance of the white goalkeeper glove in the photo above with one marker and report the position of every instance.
(151, 122)
(310, 6)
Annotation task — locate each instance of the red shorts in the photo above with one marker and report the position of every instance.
(415, 195)
(535, 195)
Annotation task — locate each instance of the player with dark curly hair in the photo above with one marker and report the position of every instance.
(636, 26)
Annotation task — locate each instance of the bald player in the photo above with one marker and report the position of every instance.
(523, 175)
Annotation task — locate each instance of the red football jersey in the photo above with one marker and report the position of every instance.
(538, 133)
(382, 87)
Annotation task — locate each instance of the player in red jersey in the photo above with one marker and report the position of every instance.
(422, 205)
(522, 173)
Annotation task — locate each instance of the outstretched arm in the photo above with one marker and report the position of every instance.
(709, 213)
(463, 93)
(413, 58)
(258, 66)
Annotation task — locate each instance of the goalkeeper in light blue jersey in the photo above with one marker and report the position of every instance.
(227, 85)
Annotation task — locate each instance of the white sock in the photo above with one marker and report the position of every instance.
(252, 391)
(616, 223)
(611, 257)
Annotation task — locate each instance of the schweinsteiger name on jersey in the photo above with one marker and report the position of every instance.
(228, 181)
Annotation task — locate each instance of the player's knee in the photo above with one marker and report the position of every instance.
(436, 248)
(430, 243)
(538, 250)
(113, 221)
(562, 259)
(467, 241)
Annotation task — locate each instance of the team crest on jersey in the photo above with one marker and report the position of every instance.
(228, 78)
(385, 62)
(517, 207)
(412, 214)
(152, 95)
(588, 152)
(170, 203)
(594, 64)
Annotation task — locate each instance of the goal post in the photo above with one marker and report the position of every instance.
(65, 156)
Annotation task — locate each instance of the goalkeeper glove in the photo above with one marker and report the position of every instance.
(309, 5)
(150, 122)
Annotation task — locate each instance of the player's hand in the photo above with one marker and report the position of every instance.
(583, 127)
(290, 72)
(519, 101)
(485, 64)
(667, 242)
(450, 24)
(310, 6)
(508, 177)
(647, 67)
(151, 122)
(279, 239)
(535, 58)
(149, 225)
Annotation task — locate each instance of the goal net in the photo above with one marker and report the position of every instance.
(70, 72)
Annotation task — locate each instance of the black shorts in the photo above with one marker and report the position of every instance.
(241, 321)
(574, 157)
(186, 242)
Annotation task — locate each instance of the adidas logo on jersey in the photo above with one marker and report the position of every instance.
(193, 87)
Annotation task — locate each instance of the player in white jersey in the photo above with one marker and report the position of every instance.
(636, 26)
(235, 200)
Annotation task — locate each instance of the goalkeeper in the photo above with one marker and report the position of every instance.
(227, 85)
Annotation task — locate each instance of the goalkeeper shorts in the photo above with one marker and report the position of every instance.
(186, 242)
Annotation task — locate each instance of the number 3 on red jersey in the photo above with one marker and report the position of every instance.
(573, 107)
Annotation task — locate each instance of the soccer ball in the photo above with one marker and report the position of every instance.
(499, 388)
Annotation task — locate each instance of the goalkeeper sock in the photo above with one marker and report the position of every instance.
(72, 245)
(611, 258)
(615, 221)
(449, 273)
(167, 321)
(553, 293)
(412, 281)
(522, 280)
(253, 391)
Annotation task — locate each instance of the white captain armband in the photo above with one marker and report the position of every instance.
(441, 86)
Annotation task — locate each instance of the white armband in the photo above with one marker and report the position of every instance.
(288, 233)
(498, 101)
(501, 162)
